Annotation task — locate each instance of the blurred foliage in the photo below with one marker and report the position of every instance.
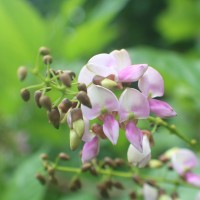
(75, 30)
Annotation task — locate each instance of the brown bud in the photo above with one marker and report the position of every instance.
(86, 166)
(47, 59)
(84, 99)
(44, 51)
(64, 156)
(75, 184)
(133, 196)
(93, 171)
(65, 105)
(119, 162)
(25, 94)
(22, 73)
(97, 79)
(98, 130)
(40, 178)
(53, 180)
(103, 191)
(50, 170)
(65, 79)
(54, 117)
(174, 195)
(82, 87)
(108, 184)
(44, 156)
(108, 161)
(72, 74)
(45, 102)
(76, 114)
(37, 96)
(137, 180)
(118, 185)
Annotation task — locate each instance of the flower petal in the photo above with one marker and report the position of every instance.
(134, 136)
(133, 102)
(183, 160)
(90, 150)
(87, 135)
(161, 108)
(132, 73)
(101, 99)
(111, 128)
(122, 59)
(85, 76)
(193, 179)
(150, 192)
(135, 157)
(151, 84)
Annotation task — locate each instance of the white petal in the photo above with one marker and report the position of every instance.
(150, 192)
(85, 76)
(133, 102)
(151, 83)
(101, 99)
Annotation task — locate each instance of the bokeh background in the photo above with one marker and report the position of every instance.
(165, 34)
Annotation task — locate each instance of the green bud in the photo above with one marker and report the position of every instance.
(84, 99)
(155, 163)
(164, 197)
(22, 73)
(107, 83)
(47, 59)
(25, 94)
(79, 127)
(45, 102)
(75, 140)
(44, 51)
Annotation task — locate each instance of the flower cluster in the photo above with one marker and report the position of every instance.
(107, 75)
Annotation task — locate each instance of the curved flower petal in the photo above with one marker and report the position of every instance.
(87, 135)
(132, 73)
(161, 108)
(135, 157)
(85, 76)
(111, 128)
(134, 136)
(133, 102)
(151, 84)
(122, 59)
(183, 160)
(193, 179)
(101, 99)
(90, 150)
(150, 192)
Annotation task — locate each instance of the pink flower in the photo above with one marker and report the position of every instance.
(117, 63)
(151, 84)
(133, 105)
(104, 102)
(193, 179)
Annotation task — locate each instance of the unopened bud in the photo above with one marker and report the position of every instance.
(93, 171)
(155, 163)
(54, 117)
(75, 140)
(86, 167)
(108, 184)
(47, 59)
(22, 73)
(65, 79)
(107, 83)
(119, 162)
(72, 74)
(53, 180)
(45, 102)
(98, 130)
(40, 178)
(84, 99)
(44, 156)
(51, 171)
(65, 105)
(133, 196)
(64, 156)
(137, 180)
(75, 184)
(37, 96)
(164, 197)
(82, 87)
(103, 191)
(118, 185)
(76, 114)
(44, 51)
(108, 161)
(25, 94)
(79, 127)
(97, 79)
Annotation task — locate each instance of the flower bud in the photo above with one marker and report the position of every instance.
(150, 192)
(65, 105)
(22, 73)
(133, 196)
(44, 51)
(44, 156)
(75, 140)
(82, 87)
(47, 59)
(108, 161)
(45, 102)
(119, 162)
(79, 127)
(118, 185)
(164, 197)
(65, 79)
(75, 184)
(84, 99)
(37, 96)
(25, 94)
(98, 130)
(64, 156)
(40, 178)
(86, 166)
(109, 84)
(76, 114)
(155, 163)
(72, 74)
(97, 79)
(54, 117)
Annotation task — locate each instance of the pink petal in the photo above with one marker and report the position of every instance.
(90, 150)
(151, 84)
(134, 136)
(87, 135)
(137, 158)
(111, 128)
(133, 102)
(85, 76)
(122, 59)
(161, 108)
(183, 160)
(101, 99)
(132, 73)
(193, 179)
